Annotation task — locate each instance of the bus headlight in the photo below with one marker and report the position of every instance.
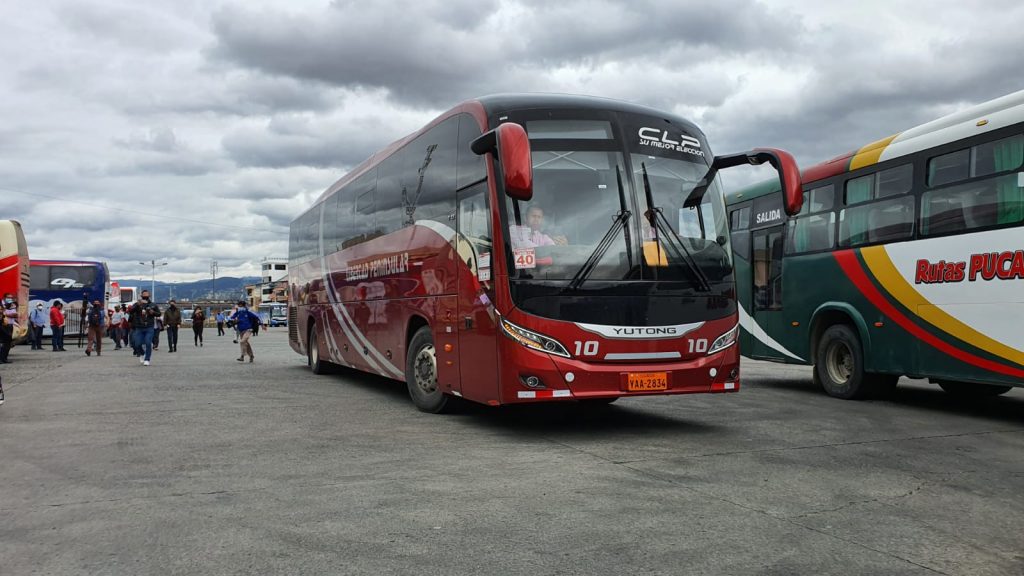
(725, 340)
(532, 340)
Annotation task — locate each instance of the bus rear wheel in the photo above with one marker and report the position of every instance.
(316, 364)
(969, 390)
(421, 373)
(839, 364)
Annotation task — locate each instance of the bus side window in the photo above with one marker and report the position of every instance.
(739, 224)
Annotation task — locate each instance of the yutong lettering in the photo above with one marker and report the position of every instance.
(380, 267)
(646, 331)
(986, 266)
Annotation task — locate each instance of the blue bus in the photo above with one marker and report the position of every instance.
(76, 283)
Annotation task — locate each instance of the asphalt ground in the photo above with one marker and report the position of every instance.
(202, 465)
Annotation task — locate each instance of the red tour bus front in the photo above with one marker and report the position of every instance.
(528, 248)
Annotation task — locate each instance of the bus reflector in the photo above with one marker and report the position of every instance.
(544, 394)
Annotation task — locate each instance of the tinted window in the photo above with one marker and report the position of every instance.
(471, 168)
(768, 269)
(356, 209)
(894, 181)
(990, 202)
(429, 192)
(947, 168)
(998, 156)
(877, 222)
(740, 219)
(811, 233)
(818, 199)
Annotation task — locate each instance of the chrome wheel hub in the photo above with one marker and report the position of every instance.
(425, 370)
(839, 362)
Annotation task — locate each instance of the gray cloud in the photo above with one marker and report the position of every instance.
(239, 114)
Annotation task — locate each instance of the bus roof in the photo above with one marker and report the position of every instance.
(986, 117)
(486, 106)
(66, 263)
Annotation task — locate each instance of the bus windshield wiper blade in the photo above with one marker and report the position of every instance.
(661, 227)
(599, 251)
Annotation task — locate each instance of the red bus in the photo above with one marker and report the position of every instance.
(525, 248)
(14, 271)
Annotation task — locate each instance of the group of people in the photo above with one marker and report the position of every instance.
(136, 325)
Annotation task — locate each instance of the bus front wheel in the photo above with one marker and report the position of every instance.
(839, 364)
(969, 390)
(421, 373)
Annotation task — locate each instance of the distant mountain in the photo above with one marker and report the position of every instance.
(228, 288)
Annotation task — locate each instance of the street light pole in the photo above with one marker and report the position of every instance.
(213, 272)
(152, 285)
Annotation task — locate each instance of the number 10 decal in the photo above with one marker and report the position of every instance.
(588, 348)
(699, 345)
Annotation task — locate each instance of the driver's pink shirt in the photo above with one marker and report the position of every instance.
(525, 237)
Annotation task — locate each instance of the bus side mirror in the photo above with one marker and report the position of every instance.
(782, 161)
(511, 147)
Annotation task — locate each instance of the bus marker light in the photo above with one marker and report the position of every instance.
(448, 348)
(569, 376)
(532, 381)
(713, 372)
(879, 324)
(795, 323)
(982, 122)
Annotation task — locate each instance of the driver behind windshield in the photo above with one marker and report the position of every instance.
(531, 235)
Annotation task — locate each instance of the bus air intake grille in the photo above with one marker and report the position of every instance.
(293, 324)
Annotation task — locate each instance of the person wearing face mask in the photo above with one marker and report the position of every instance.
(36, 323)
(143, 317)
(57, 326)
(7, 324)
(172, 320)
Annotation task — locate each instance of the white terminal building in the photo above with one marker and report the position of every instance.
(273, 271)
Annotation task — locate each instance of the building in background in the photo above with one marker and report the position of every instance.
(273, 285)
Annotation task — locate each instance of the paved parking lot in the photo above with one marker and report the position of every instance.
(199, 464)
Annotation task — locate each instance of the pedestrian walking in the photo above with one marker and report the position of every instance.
(8, 322)
(126, 329)
(95, 318)
(143, 317)
(116, 319)
(158, 327)
(244, 321)
(172, 320)
(198, 321)
(57, 326)
(220, 322)
(36, 323)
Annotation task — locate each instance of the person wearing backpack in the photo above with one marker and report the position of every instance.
(95, 320)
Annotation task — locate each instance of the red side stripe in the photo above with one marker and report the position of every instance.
(851, 266)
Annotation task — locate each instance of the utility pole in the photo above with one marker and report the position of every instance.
(152, 285)
(213, 272)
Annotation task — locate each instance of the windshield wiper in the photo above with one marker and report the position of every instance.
(661, 227)
(599, 251)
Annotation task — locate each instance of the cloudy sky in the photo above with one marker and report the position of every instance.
(189, 131)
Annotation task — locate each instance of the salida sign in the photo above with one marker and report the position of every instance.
(986, 266)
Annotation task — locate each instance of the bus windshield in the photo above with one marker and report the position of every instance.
(609, 216)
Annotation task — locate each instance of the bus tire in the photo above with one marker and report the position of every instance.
(839, 364)
(313, 359)
(421, 373)
(969, 390)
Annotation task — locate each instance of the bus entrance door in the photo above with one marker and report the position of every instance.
(767, 314)
(477, 326)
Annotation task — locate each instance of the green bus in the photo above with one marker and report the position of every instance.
(907, 258)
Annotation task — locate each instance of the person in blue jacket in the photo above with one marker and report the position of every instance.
(244, 321)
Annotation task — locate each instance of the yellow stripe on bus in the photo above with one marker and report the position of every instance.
(870, 154)
(896, 285)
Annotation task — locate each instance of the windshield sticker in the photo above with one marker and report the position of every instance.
(483, 274)
(524, 258)
(485, 260)
(666, 141)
